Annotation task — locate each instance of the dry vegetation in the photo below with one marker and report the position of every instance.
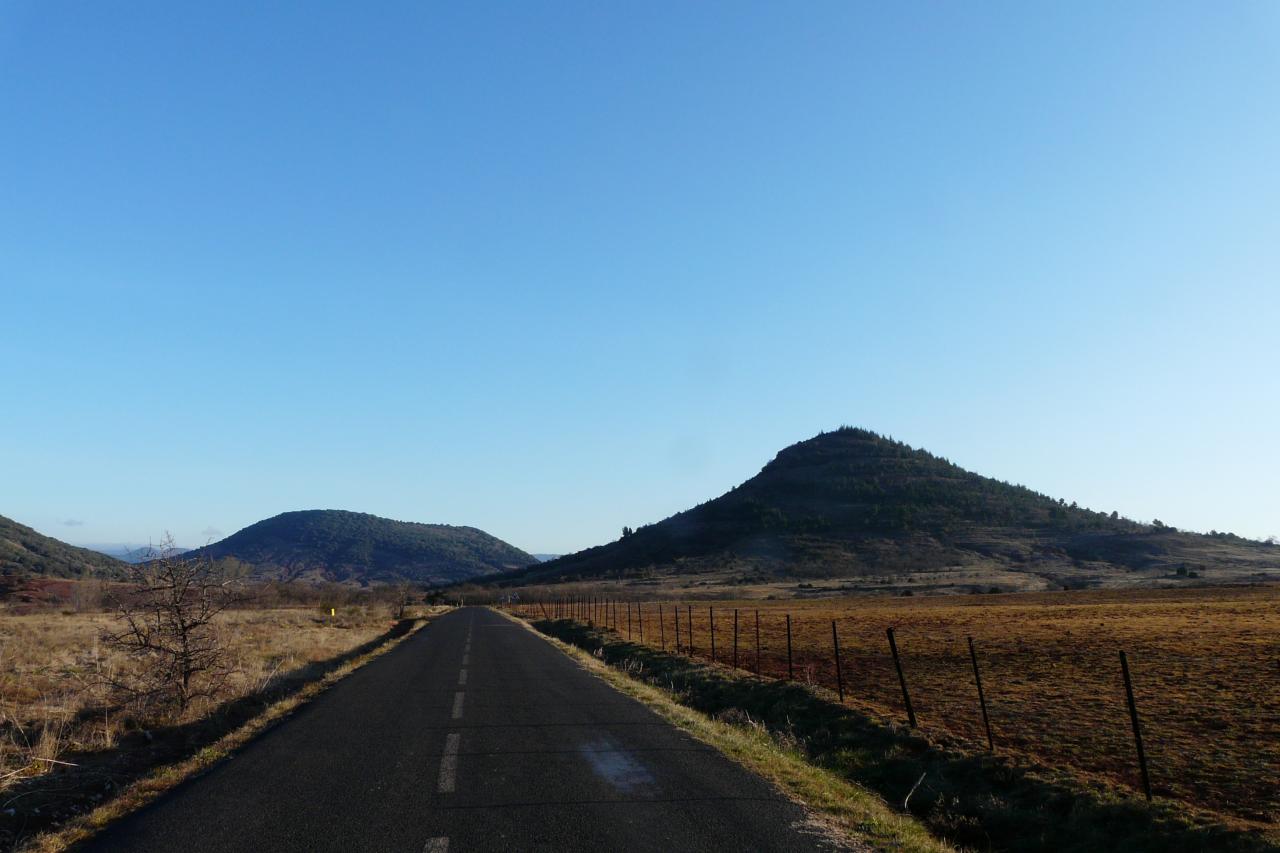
(57, 709)
(1206, 665)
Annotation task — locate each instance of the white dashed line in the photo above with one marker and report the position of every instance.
(462, 678)
(449, 764)
(466, 659)
(437, 845)
(457, 704)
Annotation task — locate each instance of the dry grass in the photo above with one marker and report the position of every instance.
(1206, 665)
(145, 789)
(54, 706)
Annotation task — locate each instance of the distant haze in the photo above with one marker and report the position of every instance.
(128, 553)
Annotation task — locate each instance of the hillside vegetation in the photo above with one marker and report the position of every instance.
(354, 547)
(852, 504)
(23, 551)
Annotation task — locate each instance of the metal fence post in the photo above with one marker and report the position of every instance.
(835, 641)
(757, 642)
(735, 638)
(711, 621)
(791, 673)
(902, 679)
(982, 697)
(1137, 730)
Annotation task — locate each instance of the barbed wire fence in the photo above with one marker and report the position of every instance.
(929, 689)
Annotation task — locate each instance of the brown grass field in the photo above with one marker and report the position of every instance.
(54, 707)
(1205, 665)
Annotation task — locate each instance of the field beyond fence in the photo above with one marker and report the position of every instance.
(1205, 667)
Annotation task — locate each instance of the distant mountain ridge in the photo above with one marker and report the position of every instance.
(852, 503)
(24, 551)
(354, 547)
(133, 553)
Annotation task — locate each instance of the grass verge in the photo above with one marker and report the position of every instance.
(837, 805)
(236, 732)
(972, 801)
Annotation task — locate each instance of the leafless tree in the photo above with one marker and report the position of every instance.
(89, 595)
(403, 598)
(166, 627)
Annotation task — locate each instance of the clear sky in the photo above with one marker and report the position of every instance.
(552, 268)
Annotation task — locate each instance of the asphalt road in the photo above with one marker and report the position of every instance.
(474, 734)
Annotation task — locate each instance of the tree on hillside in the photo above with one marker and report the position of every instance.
(167, 629)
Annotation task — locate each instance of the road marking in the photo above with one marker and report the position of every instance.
(462, 678)
(457, 704)
(466, 659)
(437, 845)
(449, 764)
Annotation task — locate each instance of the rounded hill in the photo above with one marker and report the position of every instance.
(355, 547)
(857, 505)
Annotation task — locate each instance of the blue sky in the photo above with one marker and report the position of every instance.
(552, 268)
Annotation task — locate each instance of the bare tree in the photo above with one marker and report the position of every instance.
(167, 629)
(403, 598)
(89, 595)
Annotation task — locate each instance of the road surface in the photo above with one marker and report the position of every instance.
(474, 734)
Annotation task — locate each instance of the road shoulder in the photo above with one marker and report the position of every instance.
(146, 789)
(850, 815)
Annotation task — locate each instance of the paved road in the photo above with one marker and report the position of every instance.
(474, 734)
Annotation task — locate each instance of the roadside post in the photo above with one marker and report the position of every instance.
(902, 679)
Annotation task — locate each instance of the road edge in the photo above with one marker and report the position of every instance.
(850, 813)
(146, 789)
